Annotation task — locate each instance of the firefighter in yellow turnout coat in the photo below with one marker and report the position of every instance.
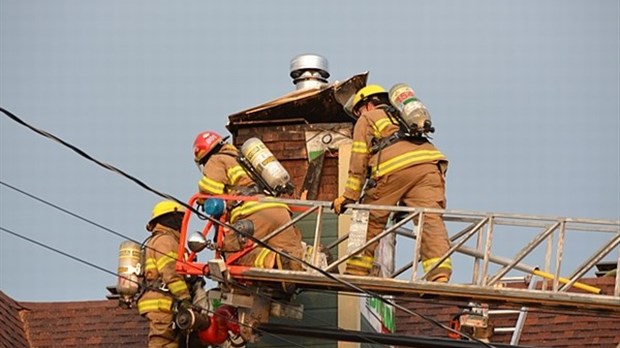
(222, 174)
(410, 172)
(159, 273)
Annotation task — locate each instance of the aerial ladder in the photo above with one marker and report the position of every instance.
(255, 292)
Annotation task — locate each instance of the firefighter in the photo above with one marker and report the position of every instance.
(164, 286)
(400, 171)
(222, 174)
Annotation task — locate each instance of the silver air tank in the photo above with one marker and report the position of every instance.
(309, 71)
(129, 270)
(413, 111)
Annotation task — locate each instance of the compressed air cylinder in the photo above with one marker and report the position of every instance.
(129, 269)
(265, 163)
(412, 110)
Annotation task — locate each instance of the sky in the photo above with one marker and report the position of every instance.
(524, 96)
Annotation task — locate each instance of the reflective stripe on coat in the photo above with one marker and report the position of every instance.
(160, 262)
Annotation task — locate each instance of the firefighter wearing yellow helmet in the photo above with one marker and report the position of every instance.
(399, 171)
(159, 273)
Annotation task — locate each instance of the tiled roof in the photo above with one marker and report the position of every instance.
(104, 324)
(85, 324)
(12, 329)
(543, 327)
(70, 324)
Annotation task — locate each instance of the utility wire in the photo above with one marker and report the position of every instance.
(101, 227)
(43, 245)
(41, 200)
(57, 251)
(48, 203)
(66, 211)
(251, 237)
(215, 221)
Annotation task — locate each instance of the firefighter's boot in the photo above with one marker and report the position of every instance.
(440, 278)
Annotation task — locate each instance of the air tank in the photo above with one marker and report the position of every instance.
(129, 270)
(265, 163)
(412, 110)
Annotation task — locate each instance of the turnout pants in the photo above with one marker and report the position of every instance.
(289, 241)
(421, 185)
(161, 333)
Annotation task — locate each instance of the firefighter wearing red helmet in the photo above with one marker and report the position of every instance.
(406, 171)
(222, 174)
(164, 284)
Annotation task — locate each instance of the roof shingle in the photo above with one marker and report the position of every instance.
(70, 324)
(86, 323)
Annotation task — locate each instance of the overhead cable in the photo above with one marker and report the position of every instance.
(219, 223)
(55, 206)
(175, 298)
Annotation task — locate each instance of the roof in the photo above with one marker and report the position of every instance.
(104, 324)
(543, 327)
(70, 324)
(12, 329)
(322, 105)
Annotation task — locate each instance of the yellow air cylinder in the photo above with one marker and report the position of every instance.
(265, 163)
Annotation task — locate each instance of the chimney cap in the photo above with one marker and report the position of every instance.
(309, 61)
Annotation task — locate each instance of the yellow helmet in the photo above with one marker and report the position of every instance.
(366, 92)
(163, 208)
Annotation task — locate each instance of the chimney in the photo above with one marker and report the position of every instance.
(309, 71)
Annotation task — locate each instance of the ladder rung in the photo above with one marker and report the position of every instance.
(513, 279)
(504, 329)
(504, 311)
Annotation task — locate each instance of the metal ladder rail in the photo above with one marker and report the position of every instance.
(551, 224)
(516, 330)
(462, 216)
(490, 258)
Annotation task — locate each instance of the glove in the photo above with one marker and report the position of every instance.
(339, 204)
(184, 304)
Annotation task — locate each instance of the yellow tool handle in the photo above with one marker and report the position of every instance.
(577, 285)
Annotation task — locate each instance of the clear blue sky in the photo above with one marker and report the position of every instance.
(524, 96)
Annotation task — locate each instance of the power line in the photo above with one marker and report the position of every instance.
(57, 207)
(41, 200)
(57, 251)
(66, 211)
(217, 222)
(48, 203)
(75, 258)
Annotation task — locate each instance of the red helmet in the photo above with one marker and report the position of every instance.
(205, 143)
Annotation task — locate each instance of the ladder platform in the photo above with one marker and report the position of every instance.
(389, 286)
